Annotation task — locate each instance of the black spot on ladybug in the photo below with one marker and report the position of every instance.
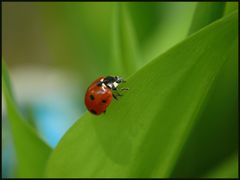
(104, 101)
(93, 111)
(91, 97)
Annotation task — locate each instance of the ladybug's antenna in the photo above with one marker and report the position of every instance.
(124, 89)
(119, 79)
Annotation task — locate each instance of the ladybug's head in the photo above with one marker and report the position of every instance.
(112, 81)
(119, 79)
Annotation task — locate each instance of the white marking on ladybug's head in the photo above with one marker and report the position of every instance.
(115, 84)
(110, 85)
(103, 85)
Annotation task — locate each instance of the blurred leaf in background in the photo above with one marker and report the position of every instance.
(205, 13)
(174, 22)
(84, 28)
(125, 50)
(215, 115)
(226, 169)
(32, 152)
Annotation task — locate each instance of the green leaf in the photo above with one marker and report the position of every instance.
(230, 7)
(126, 58)
(227, 169)
(143, 134)
(216, 130)
(206, 13)
(145, 18)
(31, 151)
(174, 22)
(221, 110)
(6, 79)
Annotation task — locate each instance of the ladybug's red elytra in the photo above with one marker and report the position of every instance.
(99, 94)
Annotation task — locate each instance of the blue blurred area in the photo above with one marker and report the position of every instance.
(8, 160)
(54, 115)
(8, 154)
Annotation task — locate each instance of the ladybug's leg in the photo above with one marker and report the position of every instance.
(114, 96)
(116, 91)
(122, 89)
(119, 94)
(114, 88)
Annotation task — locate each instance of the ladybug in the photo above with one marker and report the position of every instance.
(100, 93)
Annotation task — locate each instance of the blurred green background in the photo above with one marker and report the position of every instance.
(54, 50)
